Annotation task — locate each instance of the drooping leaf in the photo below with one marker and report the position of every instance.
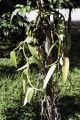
(48, 76)
(33, 59)
(33, 51)
(28, 77)
(65, 69)
(15, 13)
(28, 96)
(20, 9)
(24, 82)
(13, 58)
(24, 85)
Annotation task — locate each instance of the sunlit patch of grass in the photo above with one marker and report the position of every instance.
(10, 91)
(5, 61)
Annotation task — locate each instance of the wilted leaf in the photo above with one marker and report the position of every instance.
(65, 69)
(28, 96)
(48, 76)
(33, 51)
(13, 58)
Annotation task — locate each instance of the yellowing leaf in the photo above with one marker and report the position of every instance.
(33, 51)
(13, 58)
(65, 69)
(24, 85)
(28, 96)
(48, 76)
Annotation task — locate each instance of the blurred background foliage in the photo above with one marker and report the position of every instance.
(11, 34)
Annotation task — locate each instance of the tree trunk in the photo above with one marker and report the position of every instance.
(49, 93)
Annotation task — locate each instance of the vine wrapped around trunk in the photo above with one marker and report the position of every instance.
(43, 50)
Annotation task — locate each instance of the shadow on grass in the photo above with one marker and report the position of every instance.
(69, 107)
(28, 112)
(7, 70)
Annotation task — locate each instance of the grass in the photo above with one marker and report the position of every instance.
(71, 93)
(10, 86)
(11, 106)
(11, 100)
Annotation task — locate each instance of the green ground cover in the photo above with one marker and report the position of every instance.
(9, 87)
(11, 106)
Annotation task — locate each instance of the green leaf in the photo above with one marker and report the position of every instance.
(61, 36)
(13, 58)
(28, 77)
(19, 6)
(33, 51)
(24, 82)
(29, 39)
(36, 61)
(15, 13)
(48, 76)
(24, 85)
(28, 96)
(65, 69)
